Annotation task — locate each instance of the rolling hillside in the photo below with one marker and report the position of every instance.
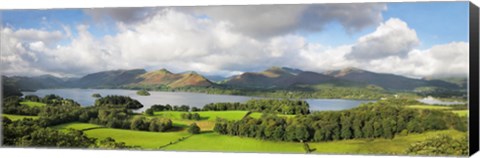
(167, 78)
(272, 78)
(387, 81)
(106, 79)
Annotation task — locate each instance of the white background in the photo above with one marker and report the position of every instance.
(53, 153)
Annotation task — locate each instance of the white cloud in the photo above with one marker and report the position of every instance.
(179, 42)
(444, 60)
(265, 21)
(392, 38)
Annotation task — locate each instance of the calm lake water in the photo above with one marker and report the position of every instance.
(84, 97)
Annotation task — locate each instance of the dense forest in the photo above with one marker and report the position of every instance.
(280, 106)
(374, 120)
(116, 101)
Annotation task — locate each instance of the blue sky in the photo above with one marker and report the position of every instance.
(196, 38)
(435, 23)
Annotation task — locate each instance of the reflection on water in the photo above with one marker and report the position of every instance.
(84, 97)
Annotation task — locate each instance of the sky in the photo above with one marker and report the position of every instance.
(421, 39)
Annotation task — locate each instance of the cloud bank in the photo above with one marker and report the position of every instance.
(230, 40)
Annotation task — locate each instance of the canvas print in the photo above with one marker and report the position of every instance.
(355, 78)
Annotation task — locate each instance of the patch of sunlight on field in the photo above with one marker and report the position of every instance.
(461, 112)
(428, 107)
(144, 139)
(215, 142)
(18, 117)
(33, 104)
(76, 125)
(397, 145)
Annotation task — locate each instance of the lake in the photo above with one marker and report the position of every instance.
(84, 97)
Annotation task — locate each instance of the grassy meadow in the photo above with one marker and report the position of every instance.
(18, 117)
(77, 126)
(146, 140)
(461, 112)
(436, 107)
(397, 145)
(33, 104)
(210, 141)
(207, 121)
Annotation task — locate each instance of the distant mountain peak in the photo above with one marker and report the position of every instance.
(163, 70)
(274, 68)
(275, 71)
(352, 69)
(190, 72)
(293, 71)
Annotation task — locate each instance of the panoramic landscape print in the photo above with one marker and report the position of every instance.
(358, 78)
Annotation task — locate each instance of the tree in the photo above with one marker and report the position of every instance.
(110, 143)
(319, 135)
(195, 109)
(357, 128)
(143, 92)
(388, 129)
(154, 125)
(278, 133)
(441, 145)
(149, 112)
(196, 116)
(301, 133)
(290, 133)
(96, 95)
(368, 130)
(118, 102)
(377, 129)
(193, 129)
(346, 127)
(139, 123)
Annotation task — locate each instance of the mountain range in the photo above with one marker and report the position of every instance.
(271, 78)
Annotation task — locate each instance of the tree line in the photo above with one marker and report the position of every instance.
(124, 119)
(368, 92)
(27, 133)
(109, 111)
(279, 106)
(11, 105)
(190, 116)
(368, 121)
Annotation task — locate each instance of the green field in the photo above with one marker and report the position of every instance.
(461, 112)
(146, 140)
(18, 117)
(77, 126)
(32, 104)
(215, 142)
(208, 118)
(398, 145)
(429, 107)
(210, 141)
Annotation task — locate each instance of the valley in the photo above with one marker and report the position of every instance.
(348, 83)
